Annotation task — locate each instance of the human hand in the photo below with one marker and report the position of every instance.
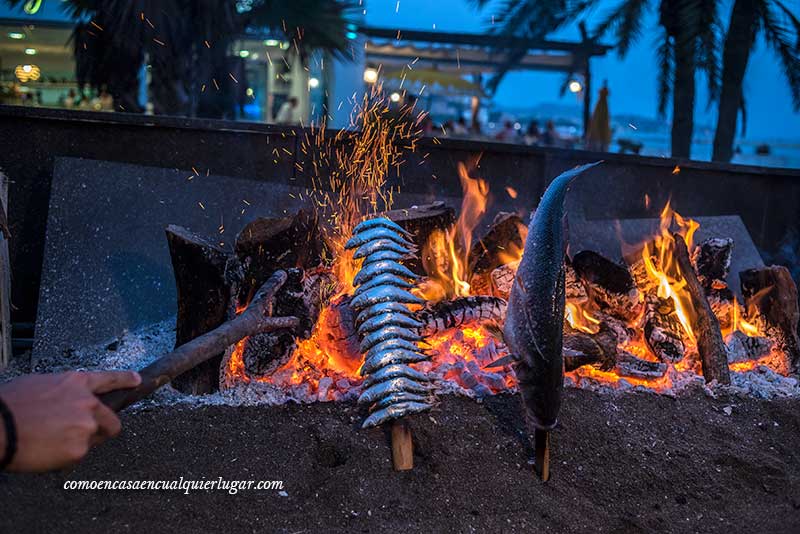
(59, 417)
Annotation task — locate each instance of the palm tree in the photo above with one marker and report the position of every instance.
(748, 18)
(688, 42)
(187, 45)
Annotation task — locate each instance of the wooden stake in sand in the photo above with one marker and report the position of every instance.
(541, 444)
(402, 446)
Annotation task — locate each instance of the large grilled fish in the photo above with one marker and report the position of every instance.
(535, 317)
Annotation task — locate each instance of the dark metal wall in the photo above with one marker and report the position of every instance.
(768, 200)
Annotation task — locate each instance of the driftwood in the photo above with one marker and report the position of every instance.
(203, 301)
(610, 285)
(255, 319)
(771, 294)
(710, 344)
(460, 312)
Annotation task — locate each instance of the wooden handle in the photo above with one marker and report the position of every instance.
(254, 320)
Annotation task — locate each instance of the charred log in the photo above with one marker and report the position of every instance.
(710, 344)
(302, 296)
(420, 221)
(503, 279)
(581, 348)
(712, 262)
(609, 284)
(203, 300)
(574, 289)
(741, 347)
(663, 332)
(771, 293)
(630, 365)
(339, 327)
(505, 236)
(459, 312)
(266, 245)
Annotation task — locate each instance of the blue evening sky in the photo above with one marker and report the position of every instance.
(632, 80)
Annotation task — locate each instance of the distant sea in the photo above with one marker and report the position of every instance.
(782, 153)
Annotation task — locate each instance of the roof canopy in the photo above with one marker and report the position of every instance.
(472, 53)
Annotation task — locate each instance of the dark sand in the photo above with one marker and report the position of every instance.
(625, 463)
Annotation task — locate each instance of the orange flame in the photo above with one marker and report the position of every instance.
(445, 256)
(580, 319)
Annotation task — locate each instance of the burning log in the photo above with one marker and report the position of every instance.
(203, 300)
(421, 221)
(503, 277)
(302, 296)
(460, 312)
(741, 347)
(711, 260)
(663, 332)
(710, 344)
(629, 365)
(770, 297)
(266, 245)
(255, 319)
(505, 236)
(582, 348)
(609, 284)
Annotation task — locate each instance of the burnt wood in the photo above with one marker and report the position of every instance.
(421, 221)
(582, 348)
(505, 235)
(610, 285)
(255, 319)
(742, 347)
(629, 365)
(268, 244)
(712, 262)
(710, 344)
(461, 312)
(772, 294)
(663, 332)
(203, 301)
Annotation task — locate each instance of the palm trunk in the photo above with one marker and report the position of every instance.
(683, 99)
(736, 54)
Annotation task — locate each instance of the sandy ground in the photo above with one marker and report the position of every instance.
(622, 463)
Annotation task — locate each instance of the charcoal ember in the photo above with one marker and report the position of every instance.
(264, 353)
(462, 311)
(582, 348)
(711, 260)
(663, 332)
(506, 235)
(741, 347)
(503, 279)
(323, 387)
(610, 285)
(481, 284)
(770, 292)
(630, 365)
(622, 329)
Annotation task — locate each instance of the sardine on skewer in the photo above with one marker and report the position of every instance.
(379, 222)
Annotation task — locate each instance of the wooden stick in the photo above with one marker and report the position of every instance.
(541, 444)
(710, 344)
(255, 319)
(402, 446)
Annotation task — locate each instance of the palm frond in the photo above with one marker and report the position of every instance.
(784, 41)
(625, 22)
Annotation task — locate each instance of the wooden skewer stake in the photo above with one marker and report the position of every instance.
(541, 444)
(402, 446)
